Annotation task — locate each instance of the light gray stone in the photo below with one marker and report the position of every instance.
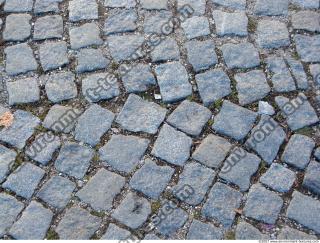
(317, 153)
(154, 4)
(230, 23)
(271, 7)
(167, 49)
(17, 27)
(85, 35)
(288, 233)
(311, 179)
(120, 3)
(48, 27)
(306, 3)
(202, 231)
(154, 21)
(120, 21)
(308, 47)
(245, 231)
(23, 91)
(7, 159)
(232, 4)
(82, 10)
(196, 27)
(306, 20)
(91, 60)
(53, 55)
(298, 72)
(46, 6)
(266, 109)
(315, 72)
(198, 6)
(18, 6)
(116, 233)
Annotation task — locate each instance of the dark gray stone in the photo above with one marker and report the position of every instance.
(20, 130)
(202, 231)
(85, 35)
(77, 224)
(173, 81)
(151, 179)
(246, 231)
(120, 21)
(126, 47)
(234, 121)
(271, 7)
(167, 49)
(101, 189)
(212, 151)
(18, 6)
(263, 205)
(306, 20)
(213, 85)
(82, 10)
(91, 60)
(305, 210)
(74, 159)
(272, 34)
(154, 4)
(92, 124)
(57, 191)
(278, 178)
(133, 211)
(33, 224)
(311, 179)
(251, 86)
(9, 210)
(201, 54)
(298, 73)
(20, 59)
(199, 178)
(288, 233)
(154, 21)
(138, 115)
(189, 117)
(232, 4)
(53, 55)
(266, 138)
(196, 27)
(43, 147)
(61, 86)
(7, 159)
(243, 55)
(24, 180)
(124, 153)
(23, 91)
(116, 233)
(216, 206)
(198, 6)
(172, 146)
(48, 27)
(138, 79)
(120, 3)
(298, 151)
(17, 27)
(230, 23)
(239, 167)
(308, 47)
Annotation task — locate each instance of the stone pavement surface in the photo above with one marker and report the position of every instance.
(210, 132)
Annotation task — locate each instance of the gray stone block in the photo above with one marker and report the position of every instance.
(116, 233)
(7, 159)
(196, 27)
(17, 27)
(232, 4)
(48, 27)
(271, 7)
(308, 47)
(85, 35)
(23, 91)
(311, 179)
(89, 60)
(167, 49)
(18, 6)
(53, 55)
(306, 20)
(120, 3)
(121, 21)
(198, 6)
(230, 23)
(202, 231)
(245, 231)
(82, 10)
(154, 21)
(288, 233)
(154, 4)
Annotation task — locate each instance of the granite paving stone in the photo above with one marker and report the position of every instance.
(288, 233)
(216, 208)
(53, 55)
(298, 151)
(172, 146)
(199, 6)
(315, 72)
(189, 117)
(133, 211)
(24, 180)
(167, 49)
(120, 3)
(101, 189)
(48, 27)
(82, 10)
(154, 4)
(317, 153)
(203, 231)
(46, 6)
(23, 91)
(201, 54)
(306, 3)
(123, 153)
(243, 55)
(74, 159)
(271, 7)
(17, 27)
(308, 47)
(116, 233)
(232, 4)
(213, 85)
(139, 115)
(230, 23)
(33, 223)
(246, 231)
(85, 35)
(154, 22)
(7, 159)
(91, 60)
(77, 224)
(57, 191)
(306, 20)
(298, 73)
(18, 6)
(234, 121)
(311, 179)
(9, 211)
(195, 27)
(305, 210)
(121, 21)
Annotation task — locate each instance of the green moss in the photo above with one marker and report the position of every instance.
(263, 167)
(230, 235)
(197, 214)
(96, 158)
(114, 66)
(307, 131)
(98, 214)
(210, 122)
(155, 206)
(17, 162)
(252, 25)
(52, 235)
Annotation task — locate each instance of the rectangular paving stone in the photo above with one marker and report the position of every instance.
(195, 27)
(48, 27)
(154, 21)
(213, 85)
(101, 189)
(263, 205)
(19, 59)
(89, 60)
(243, 55)
(317, 153)
(82, 10)
(230, 23)
(246, 231)
(123, 153)
(7, 159)
(23, 91)
(306, 20)
(20, 130)
(172, 146)
(151, 179)
(166, 50)
(154, 4)
(46, 6)
(57, 191)
(232, 4)
(216, 206)
(198, 6)
(305, 210)
(74, 159)
(298, 151)
(116, 233)
(24, 180)
(9, 210)
(77, 224)
(306, 3)
(121, 21)
(203, 231)
(85, 35)
(189, 117)
(234, 121)
(33, 224)
(138, 115)
(53, 55)
(120, 3)
(288, 233)
(271, 7)
(17, 27)
(173, 81)
(298, 72)
(18, 6)
(308, 47)
(311, 179)
(199, 178)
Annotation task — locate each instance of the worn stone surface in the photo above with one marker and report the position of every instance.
(307, 47)
(202, 231)
(121, 21)
(17, 27)
(230, 23)
(23, 91)
(48, 27)
(85, 35)
(246, 231)
(196, 27)
(271, 7)
(288, 233)
(116, 233)
(167, 49)
(7, 159)
(91, 60)
(306, 20)
(232, 4)
(82, 10)
(311, 180)
(46, 6)
(154, 4)
(18, 5)
(153, 22)
(53, 55)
